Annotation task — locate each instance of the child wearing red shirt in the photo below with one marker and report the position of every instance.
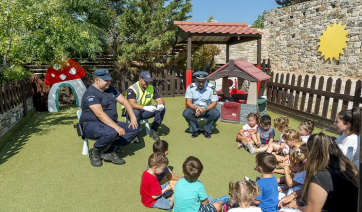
(153, 195)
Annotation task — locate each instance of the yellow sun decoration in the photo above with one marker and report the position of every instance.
(333, 41)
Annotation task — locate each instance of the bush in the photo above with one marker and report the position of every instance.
(14, 73)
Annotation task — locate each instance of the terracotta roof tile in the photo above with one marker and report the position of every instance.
(211, 27)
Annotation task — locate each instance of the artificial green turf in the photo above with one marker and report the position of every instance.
(42, 168)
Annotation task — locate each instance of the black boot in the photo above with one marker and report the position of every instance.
(153, 133)
(197, 133)
(94, 156)
(111, 155)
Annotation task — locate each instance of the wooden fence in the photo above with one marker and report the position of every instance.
(308, 97)
(14, 93)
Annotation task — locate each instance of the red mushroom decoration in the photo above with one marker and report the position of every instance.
(64, 74)
(69, 71)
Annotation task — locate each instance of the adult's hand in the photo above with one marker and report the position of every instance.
(120, 130)
(133, 123)
(287, 201)
(160, 107)
(150, 108)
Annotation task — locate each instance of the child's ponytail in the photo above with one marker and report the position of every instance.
(308, 125)
(256, 116)
(353, 117)
(282, 123)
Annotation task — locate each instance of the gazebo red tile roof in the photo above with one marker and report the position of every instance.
(211, 27)
(239, 68)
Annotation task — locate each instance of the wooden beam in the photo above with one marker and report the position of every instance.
(242, 40)
(227, 53)
(258, 54)
(228, 34)
(189, 52)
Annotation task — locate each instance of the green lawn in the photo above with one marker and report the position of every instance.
(42, 168)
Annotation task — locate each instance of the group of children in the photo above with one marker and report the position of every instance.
(289, 154)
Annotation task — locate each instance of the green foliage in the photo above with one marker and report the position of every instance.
(147, 33)
(14, 73)
(259, 23)
(50, 30)
(285, 3)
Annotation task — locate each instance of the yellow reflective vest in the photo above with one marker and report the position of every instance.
(143, 98)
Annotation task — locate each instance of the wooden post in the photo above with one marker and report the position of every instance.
(227, 53)
(258, 56)
(359, 209)
(225, 86)
(189, 53)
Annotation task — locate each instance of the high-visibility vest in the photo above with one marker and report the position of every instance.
(143, 98)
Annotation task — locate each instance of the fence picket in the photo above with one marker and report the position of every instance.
(269, 88)
(335, 100)
(347, 91)
(275, 90)
(327, 98)
(296, 101)
(285, 91)
(280, 90)
(319, 97)
(304, 94)
(311, 95)
(291, 93)
(357, 93)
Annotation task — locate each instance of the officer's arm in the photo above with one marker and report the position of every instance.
(190, 105)
(102, 116)
(160, 101)
(121, 99)
(211, 105)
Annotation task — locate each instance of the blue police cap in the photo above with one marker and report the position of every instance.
(102, 73)
(146, 76)
(201, 75)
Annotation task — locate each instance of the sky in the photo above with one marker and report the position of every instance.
(230, 11)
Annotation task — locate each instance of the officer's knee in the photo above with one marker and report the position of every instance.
(187, 112)
(215, 113)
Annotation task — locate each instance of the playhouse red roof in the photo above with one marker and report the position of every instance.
(211, 27)
(240, 68)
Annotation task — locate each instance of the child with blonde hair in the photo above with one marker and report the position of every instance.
(244, 193)
(306, 129)
(247, 134)
(294, 173)
(293, 141)
(282, 124)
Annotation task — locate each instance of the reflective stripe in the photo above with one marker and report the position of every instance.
(142, 98)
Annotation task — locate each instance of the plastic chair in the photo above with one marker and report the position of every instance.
(199, 119)
(85, 150)
(147, 125)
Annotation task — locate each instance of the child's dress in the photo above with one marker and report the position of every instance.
(305, 138)
(248, 131)
(285, 150)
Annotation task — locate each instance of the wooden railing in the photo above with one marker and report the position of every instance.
(14, 93)
(309, 97)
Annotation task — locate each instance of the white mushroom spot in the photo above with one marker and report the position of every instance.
(62, 76)
(57, 66)
(72, 71)
(67, 64)
(52, 75)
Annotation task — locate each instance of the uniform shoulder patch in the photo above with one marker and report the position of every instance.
(192, 85)
(211, 86)
(214, 92)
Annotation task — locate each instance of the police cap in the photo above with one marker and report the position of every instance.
(201, 75)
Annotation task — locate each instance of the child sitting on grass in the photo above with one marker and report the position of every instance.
(247, 134)
(167, 174)
(268, 197)
(306, 129)
(264, 135)
(153, 195)
(295, 173)
(190, 194)
(244, 192)
(282, 124)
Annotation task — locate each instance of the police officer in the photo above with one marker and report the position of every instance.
(99, 119)
(140, 96)
(201, 99)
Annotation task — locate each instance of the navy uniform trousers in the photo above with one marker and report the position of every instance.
(211, 115)
(106, 135)
(142, 114)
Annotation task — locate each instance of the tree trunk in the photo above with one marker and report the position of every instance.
(7, 51)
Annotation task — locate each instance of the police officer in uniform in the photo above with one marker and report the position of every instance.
(201, 99)
(99, 119)
(140, 96)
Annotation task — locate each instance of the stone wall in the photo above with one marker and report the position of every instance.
(13, 116)
(291, 37)
(244, 50)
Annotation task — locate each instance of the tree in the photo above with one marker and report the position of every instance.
(285, 3)
(51, 30)
(259, 23)
(147, 33)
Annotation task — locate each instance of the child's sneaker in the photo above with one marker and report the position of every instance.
(240, 145)
(226, 207)
(248, 179)
(224, 199)
(251, 148)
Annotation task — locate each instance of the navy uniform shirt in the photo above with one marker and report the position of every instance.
(201, 98)
(107, 99)
(132, 95)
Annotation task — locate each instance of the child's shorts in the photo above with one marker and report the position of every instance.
(163, 202)
(263, 141)
(207, 208)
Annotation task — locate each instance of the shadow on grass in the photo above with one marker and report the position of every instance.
(41, 124)
(202, 123)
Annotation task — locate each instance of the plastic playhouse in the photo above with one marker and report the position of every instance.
(235, 104)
